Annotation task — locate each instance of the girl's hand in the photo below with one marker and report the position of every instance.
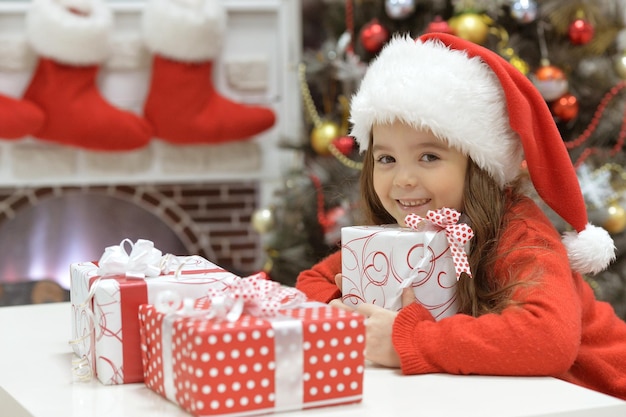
(339, 304)
(337, 301)
(378, 329)
(338, 281)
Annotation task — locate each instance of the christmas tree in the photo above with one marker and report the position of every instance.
(573, 51)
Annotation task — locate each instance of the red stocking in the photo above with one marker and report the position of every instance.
(182, 104)
(19, 118)
(71, 44)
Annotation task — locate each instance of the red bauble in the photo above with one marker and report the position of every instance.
(550, 81)
(565, 108)
(580, 32)
(263, 275)
(549, 73)
(334, 219)
(374, 36)
(439, 25)
(344, 144)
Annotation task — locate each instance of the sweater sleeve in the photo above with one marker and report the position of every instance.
(538, 335)
(318, 283)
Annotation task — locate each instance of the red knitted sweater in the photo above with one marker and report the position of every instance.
(560, 330)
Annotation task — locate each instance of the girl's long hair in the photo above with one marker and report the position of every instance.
(485, 205)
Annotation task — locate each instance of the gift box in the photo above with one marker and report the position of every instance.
(105, 297)
(301, 357)
(378, 262)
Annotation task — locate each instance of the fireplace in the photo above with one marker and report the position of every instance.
(44, 229)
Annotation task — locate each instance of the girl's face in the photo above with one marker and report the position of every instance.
(414, 171)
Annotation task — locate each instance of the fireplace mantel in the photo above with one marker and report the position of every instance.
(262, 34)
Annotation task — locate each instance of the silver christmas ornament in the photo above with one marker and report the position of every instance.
(399, 9)
(524, 11)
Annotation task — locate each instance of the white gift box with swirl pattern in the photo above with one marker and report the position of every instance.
(376, 261)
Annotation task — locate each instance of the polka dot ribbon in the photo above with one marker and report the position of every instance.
(254, 295)
(457, 234)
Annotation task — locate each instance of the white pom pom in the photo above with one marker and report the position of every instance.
(589, 251)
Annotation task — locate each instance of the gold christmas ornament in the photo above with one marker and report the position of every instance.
(520, 64)
(323, 135)
(263, 220)
(473, 27)
(616, 220)
(506, 51)
(311, 111)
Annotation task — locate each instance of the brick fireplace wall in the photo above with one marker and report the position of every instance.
(212, 220)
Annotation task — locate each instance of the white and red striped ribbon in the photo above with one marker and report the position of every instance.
(457, 234)
(254, 295)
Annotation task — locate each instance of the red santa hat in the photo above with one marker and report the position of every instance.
(483, 106)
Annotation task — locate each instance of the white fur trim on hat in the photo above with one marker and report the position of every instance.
(428, 86)
(590, 250)
(184, 30)
(77, 39)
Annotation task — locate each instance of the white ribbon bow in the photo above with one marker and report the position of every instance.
(252, 295)
(143, 261)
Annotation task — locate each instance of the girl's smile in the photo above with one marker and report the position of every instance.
(410, 206)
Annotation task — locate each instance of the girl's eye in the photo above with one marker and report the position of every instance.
(385, 159)
(429, 157)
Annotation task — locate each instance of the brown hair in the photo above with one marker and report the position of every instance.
(484, 204)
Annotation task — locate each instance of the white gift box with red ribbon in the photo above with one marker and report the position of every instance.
(378, 262)
(105, 297)
(251, 351)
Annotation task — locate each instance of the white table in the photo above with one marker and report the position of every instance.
(36, 380)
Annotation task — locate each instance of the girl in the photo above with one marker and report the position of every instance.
(446, 123)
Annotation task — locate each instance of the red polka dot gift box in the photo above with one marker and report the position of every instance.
(265, 360)
(105, 297)
(428, 255)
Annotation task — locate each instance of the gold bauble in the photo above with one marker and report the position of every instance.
(323, 135)
(263, 220)
(620, 65)
(616, 220)
(520, 64)
(470, 26)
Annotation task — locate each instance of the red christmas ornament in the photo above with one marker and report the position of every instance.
(580, 32)
(550, 81)
(344, 144)
(263, 275)
(374, 36)
(439, 25)
(549, 72)
(565, 108)
(334, 219)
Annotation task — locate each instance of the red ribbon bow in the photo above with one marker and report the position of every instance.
(457, 234)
